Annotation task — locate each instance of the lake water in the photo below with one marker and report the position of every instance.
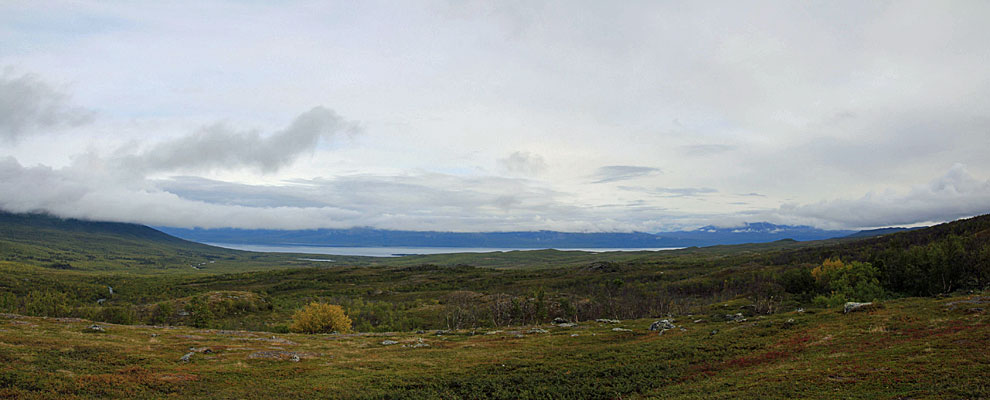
(395, 251)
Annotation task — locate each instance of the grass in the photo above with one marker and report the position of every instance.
(927, 349)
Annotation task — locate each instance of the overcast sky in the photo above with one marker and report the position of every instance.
(493, 116)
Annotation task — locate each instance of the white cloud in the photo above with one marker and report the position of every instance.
(615, 173)
(522, 163)
(791, 102)
(955, 194)
(219, 147)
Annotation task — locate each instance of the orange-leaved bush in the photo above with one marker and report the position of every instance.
(320, 318)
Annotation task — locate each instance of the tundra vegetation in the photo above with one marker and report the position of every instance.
(491, 325)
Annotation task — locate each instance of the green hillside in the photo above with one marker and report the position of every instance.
(750, 341)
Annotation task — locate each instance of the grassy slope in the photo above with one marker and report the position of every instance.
(911, 348)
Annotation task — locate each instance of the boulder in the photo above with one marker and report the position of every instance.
(662, 325)
(621, 330)
(567, 325)
(537, 330)
(389, 342)
(559, 321)
(737, 317)
(608, 321)
(96, 328)
(854, 307)
(186, 357)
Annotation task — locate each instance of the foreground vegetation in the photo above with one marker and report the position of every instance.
(174, 318)
(909, 348)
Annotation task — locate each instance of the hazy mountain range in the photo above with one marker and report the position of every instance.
(369, 237)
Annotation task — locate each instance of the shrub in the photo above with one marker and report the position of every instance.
(320, 318)
(856, 281)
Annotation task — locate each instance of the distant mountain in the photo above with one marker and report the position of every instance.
(368, 237)
(879, 232)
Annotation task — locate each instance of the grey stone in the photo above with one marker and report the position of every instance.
(854, 307)
(662, 325)
(187, 357)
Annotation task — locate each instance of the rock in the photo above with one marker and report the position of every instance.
(608, 321)
(662, 325)
(713, 332)
(559, 321)
(295, 358)
(419, 343)
(420, 332)
(854, 307)
(186, 357)
(493, 332)
(442, 332)
(574, 335)
(698, 321)
(280, 355)
(96, 328)
(621, 330)
(567, 325)
(389, 342)
(789, 323)
(205, 350)
(737, 317)
(537, 330)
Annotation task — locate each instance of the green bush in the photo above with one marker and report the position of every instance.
(856, 281)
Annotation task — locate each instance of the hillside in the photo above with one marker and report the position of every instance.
(494, 309)
(71, 244)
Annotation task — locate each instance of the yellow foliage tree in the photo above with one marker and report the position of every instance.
(829, 267)
(320, 318)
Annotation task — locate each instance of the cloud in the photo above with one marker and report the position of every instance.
(614, 173)
(219, 147)
(671, 192)
(706, 149)
(954, 195)
(28, 105)
(522, 163)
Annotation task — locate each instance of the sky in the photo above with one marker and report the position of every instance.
(584, 116)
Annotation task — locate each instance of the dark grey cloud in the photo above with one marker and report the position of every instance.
(671, 192)
(522, 163)
(28, 105)
(220, 147)
(614, 173)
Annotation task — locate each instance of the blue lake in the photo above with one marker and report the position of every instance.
(397, 251)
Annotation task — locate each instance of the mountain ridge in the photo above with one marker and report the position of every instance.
(761, 232)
